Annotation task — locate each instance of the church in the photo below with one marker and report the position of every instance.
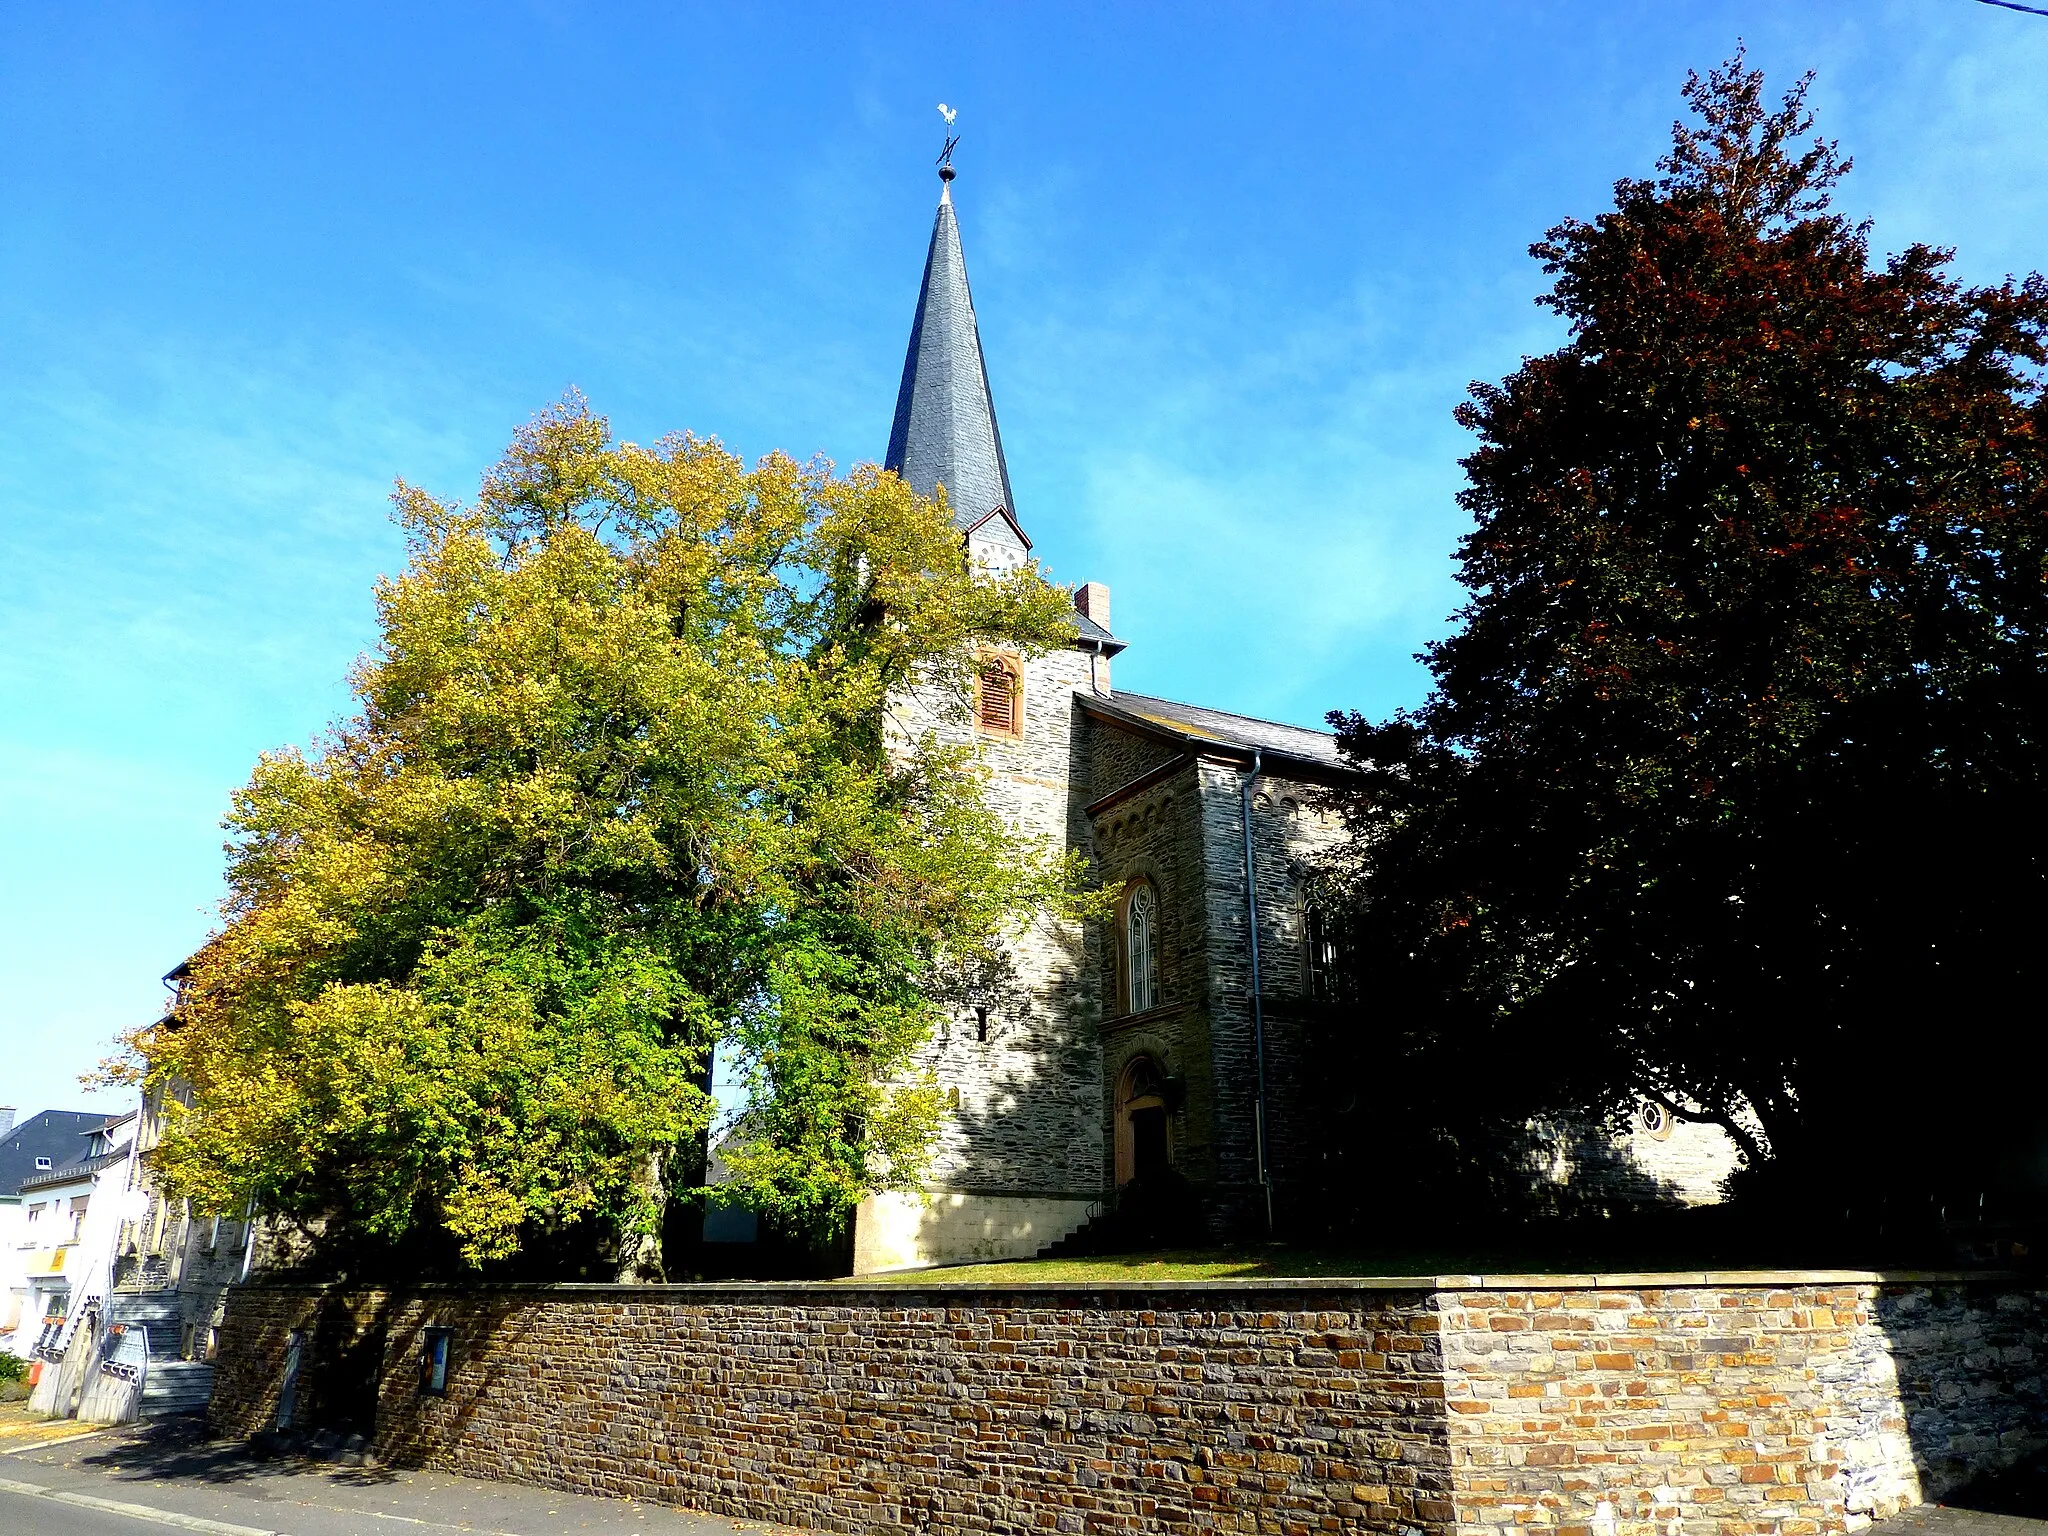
(1174, 1036)
(1164, 1040)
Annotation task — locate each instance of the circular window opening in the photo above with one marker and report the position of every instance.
(1656, 1119)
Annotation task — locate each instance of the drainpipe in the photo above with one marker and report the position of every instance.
(1095, 659)
(248, 1238)
(1251, 907)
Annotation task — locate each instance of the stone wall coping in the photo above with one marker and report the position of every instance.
(965, 1288)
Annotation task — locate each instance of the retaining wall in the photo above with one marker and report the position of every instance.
(1587, 1405)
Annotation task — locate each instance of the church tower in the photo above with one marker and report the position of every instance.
(1020, 1158)
(945, 431)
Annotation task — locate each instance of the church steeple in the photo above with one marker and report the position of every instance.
(945, 428)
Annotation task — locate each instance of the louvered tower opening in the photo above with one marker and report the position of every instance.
(998, 698)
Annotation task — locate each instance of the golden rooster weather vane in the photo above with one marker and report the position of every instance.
(952, 140)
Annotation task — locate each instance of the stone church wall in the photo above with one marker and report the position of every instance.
(1649, 1405)
(1186, 835)
(1156, 835)
(1018, 1161)
(1114, 757)
(1288, 830)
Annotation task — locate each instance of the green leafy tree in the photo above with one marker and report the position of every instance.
(1731, 790)
(621, 792)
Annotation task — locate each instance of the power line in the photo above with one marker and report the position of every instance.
(2014, 5)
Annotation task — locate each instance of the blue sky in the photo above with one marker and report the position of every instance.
(1234, 264)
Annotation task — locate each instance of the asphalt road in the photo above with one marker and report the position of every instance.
(20, 1515)
(148, 1480)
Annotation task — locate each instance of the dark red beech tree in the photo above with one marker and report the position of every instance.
(1732, 789)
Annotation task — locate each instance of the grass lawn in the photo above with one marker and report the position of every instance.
(1686, 1241)
(1278, 1261)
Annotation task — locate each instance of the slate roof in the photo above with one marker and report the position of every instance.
(1087, 629)
(1199, 728)
(61, 1135)
(945, 427)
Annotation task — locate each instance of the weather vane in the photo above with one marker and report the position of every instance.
(952, 140)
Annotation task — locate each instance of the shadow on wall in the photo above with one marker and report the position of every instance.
(1019, 1158)
(365, 1364)
(1972, 1370)
(1497, 1176)
(1579, 1168)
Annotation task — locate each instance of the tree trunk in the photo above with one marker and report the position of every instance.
(640, 1244)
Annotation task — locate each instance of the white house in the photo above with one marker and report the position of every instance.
(71, 1214)
(43, 1171)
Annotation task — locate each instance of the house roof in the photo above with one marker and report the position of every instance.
(68, 1173)
(945, 427)
(58, 1134)
(1209, 729)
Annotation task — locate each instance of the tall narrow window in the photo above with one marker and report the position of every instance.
(1320, 954)
(1000, 697)
(1141, 949)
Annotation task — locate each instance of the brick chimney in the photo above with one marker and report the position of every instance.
(6, 1118)
(1091, 599)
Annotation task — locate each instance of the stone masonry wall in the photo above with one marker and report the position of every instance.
(1288, 830)
(862, 1410)
(1576, 1405)
(1971, 1362)
(1028, 1117)
(1116, 757)
(1647, 1410)
(1155, 835)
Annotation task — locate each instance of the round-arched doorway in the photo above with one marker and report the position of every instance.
(1144, 1144)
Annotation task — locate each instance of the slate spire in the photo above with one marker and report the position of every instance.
(945, 428)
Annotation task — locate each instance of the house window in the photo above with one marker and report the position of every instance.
(999, 697)
(1141, 949)
(42, 1165)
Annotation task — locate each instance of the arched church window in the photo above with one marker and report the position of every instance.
(999, 697)
(1141, 949)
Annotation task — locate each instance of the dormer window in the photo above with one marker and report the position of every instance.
(42, 1165)
(999, 697)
